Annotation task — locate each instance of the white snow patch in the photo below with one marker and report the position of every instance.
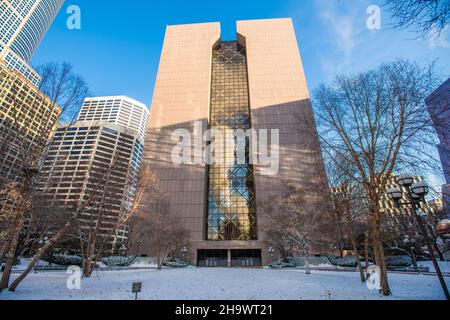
(223, 284)
(444, 265)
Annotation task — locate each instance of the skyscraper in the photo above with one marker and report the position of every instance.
(23, 25)
(119, 110)
(256, 82)
(92, 165)
(99, 158)
(26, 123)
(27, 120)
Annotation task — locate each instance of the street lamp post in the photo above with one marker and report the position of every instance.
(416, 193)
(44, 241)
(139, 242)
(123, 250)
(271, 251)
(183, 252)
(410, 243)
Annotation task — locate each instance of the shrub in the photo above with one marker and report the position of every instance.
(117, 261)
(174, 263)
(64, 259)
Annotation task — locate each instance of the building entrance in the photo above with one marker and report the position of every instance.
(212, 258)
(248, 258)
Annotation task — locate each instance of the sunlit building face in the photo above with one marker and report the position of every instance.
(254, 83)
(24, 24)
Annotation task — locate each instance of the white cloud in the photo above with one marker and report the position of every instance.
(341, 32)
(342, 27)
(440, 40)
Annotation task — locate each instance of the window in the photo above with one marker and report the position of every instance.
(231, 196)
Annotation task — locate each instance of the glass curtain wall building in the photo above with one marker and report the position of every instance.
(23, 25)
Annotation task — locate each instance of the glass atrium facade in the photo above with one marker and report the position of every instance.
(231, 189)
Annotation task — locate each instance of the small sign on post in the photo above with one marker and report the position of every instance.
(137, 288)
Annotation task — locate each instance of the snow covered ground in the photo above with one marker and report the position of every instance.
(445, 266)
(220, 284)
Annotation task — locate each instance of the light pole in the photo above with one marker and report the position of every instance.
(123, 250)
(43, 241)
(139, 242)
(410, 243)
(184, 250)
(415, 194)
(271, 251)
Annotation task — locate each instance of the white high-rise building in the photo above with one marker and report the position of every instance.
(107, 128)
(119, 110)
(23, 25)
(99, 165)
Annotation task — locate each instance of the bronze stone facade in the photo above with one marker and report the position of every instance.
(255, 82)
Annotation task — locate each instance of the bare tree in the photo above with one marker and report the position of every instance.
(180, 239)
(64, 87)
(349, 204)
(423, 16)
(376, 122)
(96, 199)
(299, 214)
(280, 241)
(398, 226)
(160, 229)
(350, 209)
(95, 241)
(65, 90)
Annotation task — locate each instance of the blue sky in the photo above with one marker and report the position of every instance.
(118, 47)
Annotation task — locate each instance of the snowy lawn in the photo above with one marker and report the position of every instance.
(445, 266)
(219, 284)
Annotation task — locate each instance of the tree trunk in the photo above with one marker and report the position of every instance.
(306, 254)
(90, 256)
(438, 251)
(158, 255)
(414, 260)
(366, 254)
(88, 269)
(3, 251)
(11, 253)
(38, 256)
(30, 267)
(358, 262)
(159, 260)
(379, 253)
(355, 250)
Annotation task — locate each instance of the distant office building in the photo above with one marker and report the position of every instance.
(92, 165)
(23, 25)
(119, 110)
(439, 107)
(27, 119)
(256, 82)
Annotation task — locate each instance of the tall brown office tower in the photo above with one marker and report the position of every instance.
(256, 82)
